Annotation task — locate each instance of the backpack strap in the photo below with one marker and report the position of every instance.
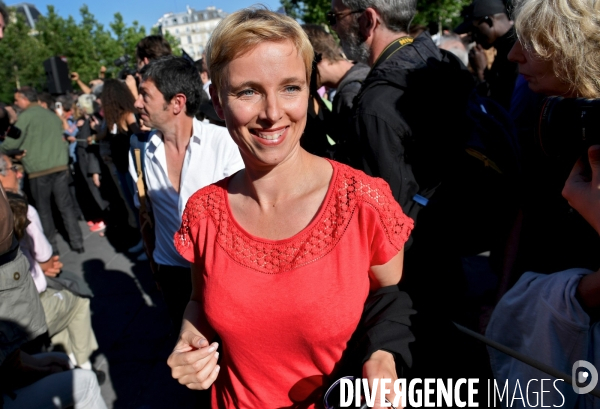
(141, 185)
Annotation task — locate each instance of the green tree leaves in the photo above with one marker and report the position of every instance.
(87, 45)
(446, 12)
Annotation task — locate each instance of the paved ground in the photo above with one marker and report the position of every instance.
(130, 322)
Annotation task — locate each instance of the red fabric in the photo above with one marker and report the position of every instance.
(286, 309)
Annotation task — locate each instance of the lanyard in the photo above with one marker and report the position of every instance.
(392, 48)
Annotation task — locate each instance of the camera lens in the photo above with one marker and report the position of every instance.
(568, 126)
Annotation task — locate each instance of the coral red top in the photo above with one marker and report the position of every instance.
(286, 309)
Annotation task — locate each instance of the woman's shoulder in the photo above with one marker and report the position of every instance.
(357, 185)
(206, 202)
(372, 198)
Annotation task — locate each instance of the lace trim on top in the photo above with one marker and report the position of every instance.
(347, 189)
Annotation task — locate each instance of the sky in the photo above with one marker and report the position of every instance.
(146, 12)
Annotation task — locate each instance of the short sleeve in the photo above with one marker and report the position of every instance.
(186, 238)
(390, 227)
(190, 240)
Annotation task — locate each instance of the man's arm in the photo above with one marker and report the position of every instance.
(84, 88)
(383, 155)
(11, 143)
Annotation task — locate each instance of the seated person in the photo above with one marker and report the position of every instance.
(67, 315)
(32, 381)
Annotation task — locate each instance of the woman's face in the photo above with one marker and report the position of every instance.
(539, 73)
(264, 101)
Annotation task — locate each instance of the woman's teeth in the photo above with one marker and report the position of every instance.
(270, 136)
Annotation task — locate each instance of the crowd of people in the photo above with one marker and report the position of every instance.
(312, 209)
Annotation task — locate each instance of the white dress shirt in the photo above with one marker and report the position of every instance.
(206, 87)
(211, 156)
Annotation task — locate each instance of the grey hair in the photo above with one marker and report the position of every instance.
(454, 44)
(396, 14)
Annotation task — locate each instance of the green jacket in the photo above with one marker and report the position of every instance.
(42, 138)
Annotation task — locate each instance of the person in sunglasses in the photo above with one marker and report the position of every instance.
(286, 253)
(409, 120)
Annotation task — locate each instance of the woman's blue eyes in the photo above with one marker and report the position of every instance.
(250, 92)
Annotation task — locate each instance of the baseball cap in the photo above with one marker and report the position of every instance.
(478, 9)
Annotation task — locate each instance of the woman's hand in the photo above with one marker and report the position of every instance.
(193, 362)
(96, 179)
(582, 190)
(380, 366)
(52, 267)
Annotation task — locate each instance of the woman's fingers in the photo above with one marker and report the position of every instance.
(205, 376)
(185, 363)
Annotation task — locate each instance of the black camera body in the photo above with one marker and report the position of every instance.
(127, 69)
(122, 60)
(567, 127)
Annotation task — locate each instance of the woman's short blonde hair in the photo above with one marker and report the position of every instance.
(568, 33)
(243, 30)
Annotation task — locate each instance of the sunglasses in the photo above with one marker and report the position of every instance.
(333, 17)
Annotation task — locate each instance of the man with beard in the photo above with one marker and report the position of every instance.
(410, 103)
(409, 123)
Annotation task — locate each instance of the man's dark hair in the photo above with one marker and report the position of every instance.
(175, 75)
(200, 66)
(4, 12)
(66, 102)
(29, 93)
(396, 14)
(48, 99)
(152, 47)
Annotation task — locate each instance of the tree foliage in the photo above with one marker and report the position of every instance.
(443, 12)
(446, 12)
(87, 45)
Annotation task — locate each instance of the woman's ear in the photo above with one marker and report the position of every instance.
(216, 100)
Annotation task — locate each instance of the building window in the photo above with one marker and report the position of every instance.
(176, 31)
(185, 19)
(189, 39)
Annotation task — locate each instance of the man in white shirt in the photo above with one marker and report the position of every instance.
(181, 156)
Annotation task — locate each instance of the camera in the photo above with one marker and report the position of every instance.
(567, 127)
(123, 61)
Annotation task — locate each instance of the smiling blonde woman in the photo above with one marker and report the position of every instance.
(285, 252)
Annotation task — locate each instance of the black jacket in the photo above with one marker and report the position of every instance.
(341, 112)
(501, 77)
(408, 119)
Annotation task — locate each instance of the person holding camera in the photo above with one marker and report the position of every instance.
(548, 235)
